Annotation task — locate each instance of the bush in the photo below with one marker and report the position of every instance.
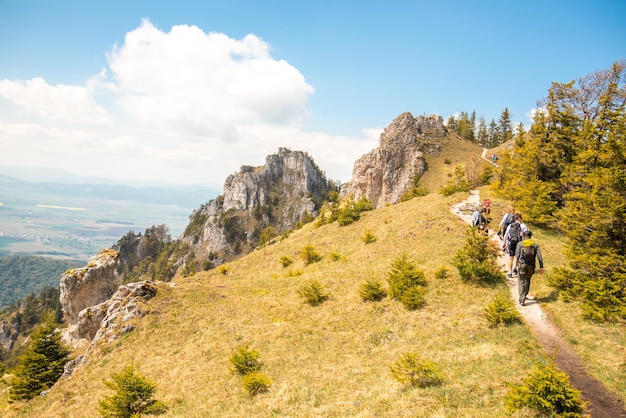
(457, 183)
(414, 298)
(368, 237)
(413, 371)
(502, 310)
(310, 255)
(442, 273)
(313, 292)
(285, 261)
(477, 261)
(403, 276)
(337, 257)
(548, 391)
(372, 290)
(245, 361)
(223, 270)
(133, 396)
(256, 382)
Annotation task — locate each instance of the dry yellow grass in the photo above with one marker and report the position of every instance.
(326, 361)
(333, 360)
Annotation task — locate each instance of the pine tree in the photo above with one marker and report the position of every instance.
(505, 126)
(133, 396)
(570, 171)
(42, 363)
(594, 217)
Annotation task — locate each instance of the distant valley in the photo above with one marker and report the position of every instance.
(76, 220)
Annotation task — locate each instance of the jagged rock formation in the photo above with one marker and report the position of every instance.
(387, 172)
(84, 287)
(8, 334)
(258, 202)
(111, 319)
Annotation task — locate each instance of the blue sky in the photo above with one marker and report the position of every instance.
(188, 91)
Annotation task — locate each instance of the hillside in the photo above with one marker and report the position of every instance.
(331, 360)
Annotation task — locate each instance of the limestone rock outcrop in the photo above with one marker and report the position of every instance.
(271, 199)
(387, 172)
(84, 287)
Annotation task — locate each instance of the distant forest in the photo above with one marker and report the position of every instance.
(22, 275)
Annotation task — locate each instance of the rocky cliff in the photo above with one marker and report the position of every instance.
(387, 172)
(258, 204)
(87, 286)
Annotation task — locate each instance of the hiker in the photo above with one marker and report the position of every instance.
(487, 215)
(526, 254)
(507, 220)
(512, 236)
(479, 220)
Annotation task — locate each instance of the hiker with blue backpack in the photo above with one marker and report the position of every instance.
(526, 254)
(512, 236)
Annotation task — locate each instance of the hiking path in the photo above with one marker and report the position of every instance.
(601, 402)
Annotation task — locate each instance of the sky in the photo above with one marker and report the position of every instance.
(186, 92)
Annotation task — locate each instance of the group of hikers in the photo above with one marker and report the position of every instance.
(517, 243)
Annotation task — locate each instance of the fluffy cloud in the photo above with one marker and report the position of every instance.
(61, 103)
(181, 106)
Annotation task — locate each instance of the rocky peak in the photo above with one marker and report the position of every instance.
(387, 172)
(274, 197)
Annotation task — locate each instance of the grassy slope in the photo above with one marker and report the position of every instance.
(332, 360)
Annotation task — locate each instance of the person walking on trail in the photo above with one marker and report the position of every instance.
(512, 236)
(526, 254)
(507, 220)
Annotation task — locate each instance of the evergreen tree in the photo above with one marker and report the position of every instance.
(133, 396)
(594, 217)
(505, 126)
(570, 172)
(42, 363)
(493, 134)
(482, 135)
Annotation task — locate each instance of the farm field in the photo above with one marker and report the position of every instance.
(77, 221)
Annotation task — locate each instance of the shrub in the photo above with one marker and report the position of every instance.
(457, 183)
(414, 298)
(548, 391)
(501, 310)
(310, 255)
(256, 382)
(285, 261)
(442, 273)
(337, 257)
(245, 361)
(133, 396)
(403, 276)
(413, 371)
(372, 290)
(313, 292)
(368, 237)
(223, 269)
(294, 273)
(477, 261)
(42, 363)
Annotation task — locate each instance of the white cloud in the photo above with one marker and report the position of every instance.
(60, 103)
(181, 106)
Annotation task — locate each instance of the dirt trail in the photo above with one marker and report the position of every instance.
(601, 402)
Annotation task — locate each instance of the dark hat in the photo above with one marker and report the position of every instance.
(528, 233)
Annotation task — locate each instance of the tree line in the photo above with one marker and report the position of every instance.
(490, 135)
(568, 173)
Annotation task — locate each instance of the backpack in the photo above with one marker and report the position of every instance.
(510, 218)
(515, 233)
(527, 256)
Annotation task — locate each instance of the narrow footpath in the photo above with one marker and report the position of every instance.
(601, 402)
